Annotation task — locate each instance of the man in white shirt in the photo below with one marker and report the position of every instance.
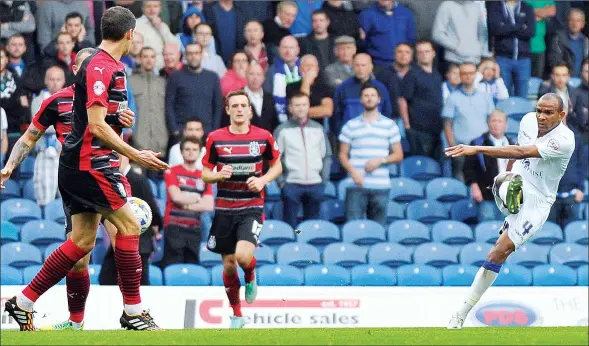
(526, 194)
(192, 128)
(155, 32)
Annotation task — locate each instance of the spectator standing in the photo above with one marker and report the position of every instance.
(343, 19)
(512, 24)
(368, 144)
(154, 30)
(172, 60)
(74, 25)
(13, 99)
(570, 46)
(16, 18)
(194, 129)
(480, 170)
(544, 10)
(190, 19)
(256, 10)
(193, 90)
(210, 60)
(254, 47)
(314, 86)
(341, 69)
(302, 26)
(149, 91)
(488, 79)
(131, 60)
(580, 122)
(392, 76)
(302, 140)
(277, 28)
(188, 196)
(424, 13)
(559, 84)
(234, 78)
(452, 81)
(383, 26)
(421, 102)
(54, 81)
(227, 22)
(51, 17)
(16, 47)
(319, 42)
(465, 114)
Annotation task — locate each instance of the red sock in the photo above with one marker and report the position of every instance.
(250, 275)
(78, 286)
(56, 267)
(129, 267)
(232, 286)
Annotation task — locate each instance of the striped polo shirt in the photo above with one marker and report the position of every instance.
(368, 141)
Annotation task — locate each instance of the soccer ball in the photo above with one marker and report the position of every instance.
(142, 212)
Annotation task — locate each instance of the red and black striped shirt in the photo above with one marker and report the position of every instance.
(246, 153)
(56, 111)
(188, 182)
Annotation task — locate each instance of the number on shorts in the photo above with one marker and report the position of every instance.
(527, 227)
(256, 229)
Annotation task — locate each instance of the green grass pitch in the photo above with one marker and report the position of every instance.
(348, 336)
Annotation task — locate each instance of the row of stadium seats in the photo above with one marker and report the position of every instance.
(334, 275)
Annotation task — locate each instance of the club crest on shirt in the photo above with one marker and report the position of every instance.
(212, 242)
(98, 88)
(254, 148)
(553, 143)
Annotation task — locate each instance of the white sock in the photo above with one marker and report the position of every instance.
(134, 309)
(76, 324)
(503, 191)
(482, 281)
(24, 303)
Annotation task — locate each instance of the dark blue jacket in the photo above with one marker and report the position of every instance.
(503, 33)
(574, 176)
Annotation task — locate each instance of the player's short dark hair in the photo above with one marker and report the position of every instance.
(74, 14)
(237, 93)
(116, 21)
(83, 52)
(554, 96)
(561, 64)
(369, 85)
(297, 95)
(189, 139)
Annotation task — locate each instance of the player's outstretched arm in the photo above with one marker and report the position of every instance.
(20, 151)
(503, 152)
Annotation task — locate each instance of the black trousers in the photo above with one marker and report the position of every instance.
(424, 143)
(181, 245)
(108, 271)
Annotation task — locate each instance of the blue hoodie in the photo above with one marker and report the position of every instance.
(185, 36)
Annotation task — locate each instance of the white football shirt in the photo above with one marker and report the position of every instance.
(556, 148)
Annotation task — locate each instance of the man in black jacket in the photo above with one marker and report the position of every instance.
(570, 46)
(141, 189)
(320, 42)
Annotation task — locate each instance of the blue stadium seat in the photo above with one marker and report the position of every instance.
(571, 254)
(158, 252)
(156, 278)
(466, 211)
(318, 232)
(529, 255)
(575, 82)
(162, 191)
(418, 275)
(395, 211)
(8, 232)
(54, 211)
(20, 255)
(264, 255)
(186, 275)
(28, 190)
(516, 107)
(330, 190)
(276, 232)
(279, 275)
(154, 188)
(408, 232)
(420, 168)
(446, 190)
(459, 274)
(363, 232)
(10, 276)
(390, 254)
(550, 233)
(393, 170)
(20, 210)
(342, 187)
(533, 86)
(488, 211)
(427, 211)
(576, 232)
(326, 275)
(27, 168)
(344, 254)
(217, 275)
(332, 210)
(299, 255)
(373, 275)
(94, 273)
(49, 249)
(554, 275)
(435, 254)
(514, 275)
(452, 233)
(207, 257)
(512, 127)
(273, 192)
(42, 232)
(29, 273)
(583, 275)
(487, 231)
(11, 190)
(161, 205)
(475, 253)
(404, 190)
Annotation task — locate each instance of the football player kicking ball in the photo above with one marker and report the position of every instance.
(526, 194)
(238, 153)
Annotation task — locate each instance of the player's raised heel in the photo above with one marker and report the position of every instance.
(456, 322)
(143, 321)
(237, 322)
(251, 291)
(23, 317)
(514, 194)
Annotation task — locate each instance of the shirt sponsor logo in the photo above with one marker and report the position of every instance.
(243, 168)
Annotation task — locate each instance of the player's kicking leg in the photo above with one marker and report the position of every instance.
(232, 286)
(244, 255)
(507, 189)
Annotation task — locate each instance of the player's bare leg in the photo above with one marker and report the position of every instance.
(232, 286)
(55, 268)
(128, 262)
(484, 278)
(244, 255)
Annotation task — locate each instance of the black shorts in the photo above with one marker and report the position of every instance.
(229, 228)
(89, 191)
(68, 218)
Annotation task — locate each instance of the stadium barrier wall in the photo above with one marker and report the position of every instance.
(320, 307)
